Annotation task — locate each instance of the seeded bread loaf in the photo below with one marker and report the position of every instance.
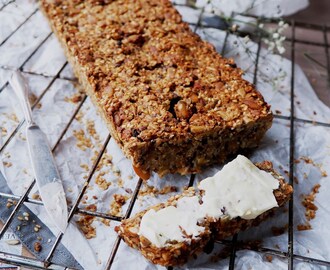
(177, 253)
(172, 103)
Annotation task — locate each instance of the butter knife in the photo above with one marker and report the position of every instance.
(47, 176)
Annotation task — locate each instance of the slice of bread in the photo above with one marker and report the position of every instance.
(178, 252)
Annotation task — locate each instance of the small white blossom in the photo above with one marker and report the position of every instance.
(271, 45)
(276, 35)
(282, 38)
(274, 39)
(281, 49)
(246, 39)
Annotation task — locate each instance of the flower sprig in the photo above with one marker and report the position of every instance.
(272, 36)
(275, 38)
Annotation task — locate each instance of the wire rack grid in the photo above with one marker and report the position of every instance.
(232, 244)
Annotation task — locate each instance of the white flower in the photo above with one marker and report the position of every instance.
(246, 39)
(282, 27)
(280, 49)
(276, 35)
(282, 38)
(271, 46)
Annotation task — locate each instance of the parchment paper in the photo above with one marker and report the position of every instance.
(75, 155)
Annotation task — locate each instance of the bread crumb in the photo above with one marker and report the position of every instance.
(269, 258)
(85, 167)
(85, 225)
(79, 116)
(308, 202)
(304, 227)
(116, 205)
(37, 246)
(168, 189)
(308, 160)
(4, 131)
(152, 191)
(75, 98)
(7, 164)
(12, 117)
(102, 183)
(91, 207)
(83, 142)
(106, 222)
(295, 179)
(120, 182)
(92, 131)
(311, 208)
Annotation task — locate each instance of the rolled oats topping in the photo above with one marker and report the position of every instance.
(156, 83)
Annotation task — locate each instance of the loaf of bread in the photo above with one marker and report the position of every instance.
(172, 103)
(157, 238)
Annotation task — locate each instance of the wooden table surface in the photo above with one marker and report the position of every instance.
(318, 12)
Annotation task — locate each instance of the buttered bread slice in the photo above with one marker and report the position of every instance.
(239, 196)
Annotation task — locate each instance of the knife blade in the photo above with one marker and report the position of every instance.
(43, 164)
(62, 255)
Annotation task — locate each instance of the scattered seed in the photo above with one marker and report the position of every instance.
(26, 218)
(8, 205)
(13, 242)
(20, 218)
(26, 214)
(37, 246)
(38, 226)
(36, 196)
(36, 229)
(18, 228)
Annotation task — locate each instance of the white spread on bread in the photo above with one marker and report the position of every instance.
(240, 189)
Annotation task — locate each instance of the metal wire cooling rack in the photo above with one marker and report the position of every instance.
(289, 255)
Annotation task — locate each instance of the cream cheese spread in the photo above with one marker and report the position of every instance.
(240, 189)
(168, 223)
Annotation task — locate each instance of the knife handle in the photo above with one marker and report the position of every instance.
(21, 90)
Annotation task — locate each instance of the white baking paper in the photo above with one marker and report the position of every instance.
(83, 141)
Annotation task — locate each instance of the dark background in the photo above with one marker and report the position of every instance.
(318, 12)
